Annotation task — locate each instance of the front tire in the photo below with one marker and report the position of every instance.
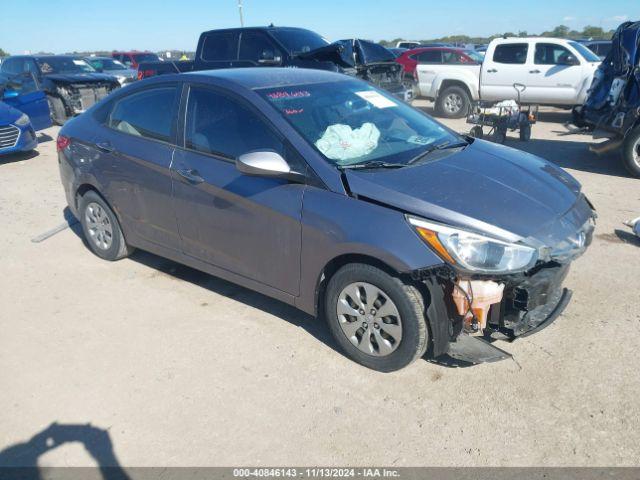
(57, 110)
(101, 228)
(453, 102)
(378, 320)
(631, 152)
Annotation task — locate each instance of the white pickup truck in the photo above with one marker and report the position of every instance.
(555, 72)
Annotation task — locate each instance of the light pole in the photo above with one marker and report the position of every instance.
(240, 11)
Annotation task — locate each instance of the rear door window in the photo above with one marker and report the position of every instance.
(150, 113)
(220, 125)
(511, 53)
(220, 47)
(451, 58)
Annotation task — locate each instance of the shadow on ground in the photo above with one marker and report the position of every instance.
(17, 157)
(21, 459)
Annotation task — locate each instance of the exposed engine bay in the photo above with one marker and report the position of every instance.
(79, 97)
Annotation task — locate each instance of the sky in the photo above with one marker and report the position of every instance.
(84, 25)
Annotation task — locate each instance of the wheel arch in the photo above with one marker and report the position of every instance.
(455, 82)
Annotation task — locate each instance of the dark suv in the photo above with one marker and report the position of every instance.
(71, 84)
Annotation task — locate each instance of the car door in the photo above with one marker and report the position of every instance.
(257, 50)
(23, 93)
(428, 64)
(553, 79)
(247, 225)
(136, 146)
(505, 66)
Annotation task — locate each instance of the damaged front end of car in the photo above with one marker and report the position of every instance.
(78, 97)
(494, 288)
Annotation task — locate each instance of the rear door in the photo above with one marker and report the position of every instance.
(218, 49)
(551, 80)
(506, 65)
(136, 147)
(247, 225)
(29, 99)
(428, 64)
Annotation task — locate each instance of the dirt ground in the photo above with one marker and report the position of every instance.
(169, 366)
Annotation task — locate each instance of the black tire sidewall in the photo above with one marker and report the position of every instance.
(465, 98)
(113, 252)
(627, 152)
(411, 309)
(57, 110)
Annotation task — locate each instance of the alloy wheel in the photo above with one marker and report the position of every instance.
(369, 319)
(99, 226)
(453, 103)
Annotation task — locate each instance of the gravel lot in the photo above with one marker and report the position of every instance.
(183, 369)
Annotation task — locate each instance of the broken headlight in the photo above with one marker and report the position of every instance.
(22, 121)
(472, 251)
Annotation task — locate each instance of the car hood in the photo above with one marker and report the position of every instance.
(350, 53)
(68, 78)
(128, 73)
(8, 114)
(483, 187)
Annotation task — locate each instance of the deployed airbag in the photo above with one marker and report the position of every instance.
(342, 143)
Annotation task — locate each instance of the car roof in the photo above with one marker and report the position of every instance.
(269, 27)
(258, 77)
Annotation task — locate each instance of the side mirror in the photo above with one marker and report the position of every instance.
(566, 59)
(269, 57)
(266, 164)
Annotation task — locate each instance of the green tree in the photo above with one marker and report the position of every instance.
(3, 53)
(560, 31)
(593, 32)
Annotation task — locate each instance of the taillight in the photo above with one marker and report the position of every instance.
(145, 74)
(62, 142)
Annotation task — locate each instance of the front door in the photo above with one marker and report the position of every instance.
(247, 225)
(22, 93)
(552, 79)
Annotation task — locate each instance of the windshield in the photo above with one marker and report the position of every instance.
(64, 65)
(146, 57)
(475, 56)
(107, 64)
(298, 40)
(587, 54)
(351, 122)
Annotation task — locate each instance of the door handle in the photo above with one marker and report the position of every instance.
(105, 147)
(190, 175)
(492, 70)
(534, 71)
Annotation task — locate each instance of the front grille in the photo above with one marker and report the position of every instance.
(9, 136)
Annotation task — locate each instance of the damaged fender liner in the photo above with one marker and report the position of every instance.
(531, 302)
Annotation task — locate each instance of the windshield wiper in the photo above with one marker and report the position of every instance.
(370, 164)
(441, 146)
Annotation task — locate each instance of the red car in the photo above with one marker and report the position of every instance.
(133, 59)
(444, 55)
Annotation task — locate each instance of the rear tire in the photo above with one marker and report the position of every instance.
(631, 152)
(453, 102)
(385, 332)
(57, 110)
(101, 228)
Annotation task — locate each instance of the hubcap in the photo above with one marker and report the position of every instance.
(369, 319)
(99, 226)
(636, 153)
(453, 103)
